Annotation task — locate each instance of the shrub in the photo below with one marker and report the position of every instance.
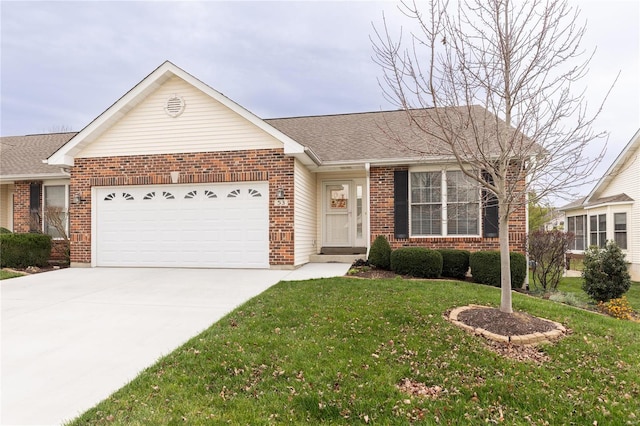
(548, 252)
(380, 253)
(605, 273)
(4, 231)
(617, 308)
(455, 263)
(485, 268)
(22, 250)
(416, 261)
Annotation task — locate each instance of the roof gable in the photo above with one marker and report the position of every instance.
(137, 95)
(630, 150)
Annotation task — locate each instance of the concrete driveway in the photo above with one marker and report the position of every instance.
(72, 337)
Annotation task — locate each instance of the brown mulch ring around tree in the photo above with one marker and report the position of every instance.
(511, 335)
(498, 322)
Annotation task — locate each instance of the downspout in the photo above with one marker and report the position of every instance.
(367, 168)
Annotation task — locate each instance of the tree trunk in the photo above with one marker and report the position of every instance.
(505, 261)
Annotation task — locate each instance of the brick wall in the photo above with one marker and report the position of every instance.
(382, 221)
(21, 206)
(207, 167)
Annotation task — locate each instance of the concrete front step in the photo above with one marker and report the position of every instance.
(335, 258)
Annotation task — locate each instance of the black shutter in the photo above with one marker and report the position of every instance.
(35, 193)
(489, 210)
(401, 203)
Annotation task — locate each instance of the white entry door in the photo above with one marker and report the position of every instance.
(344, 213)
(198, 225)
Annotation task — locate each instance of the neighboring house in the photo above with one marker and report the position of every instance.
(175, 174)
(611, 211)
(28, 186)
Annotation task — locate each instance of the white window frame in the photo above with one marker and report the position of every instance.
(443, 204)
(585, 231)
(43, 203)
(626, 229)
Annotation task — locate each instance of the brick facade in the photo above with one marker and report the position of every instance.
(382, 221)
(22, 217)
(204, 167)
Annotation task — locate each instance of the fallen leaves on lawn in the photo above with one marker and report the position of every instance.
(419, 389)
(518, 352)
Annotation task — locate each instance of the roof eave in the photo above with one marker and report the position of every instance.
(32, 176)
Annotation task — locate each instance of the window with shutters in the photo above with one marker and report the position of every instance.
(443, 203)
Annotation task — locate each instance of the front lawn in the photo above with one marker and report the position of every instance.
(334, 351)
(4, 275)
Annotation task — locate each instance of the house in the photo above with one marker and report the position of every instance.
(611, 211)
(175, 174)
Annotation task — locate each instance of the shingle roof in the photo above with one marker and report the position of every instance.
(618, 198)
(358, 137)
(23, 155)
(374, 135)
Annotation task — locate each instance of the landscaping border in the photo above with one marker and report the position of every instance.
(525, 339)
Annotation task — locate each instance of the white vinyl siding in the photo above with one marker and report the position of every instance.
(205, 125)
(627, 181)
(304, 213)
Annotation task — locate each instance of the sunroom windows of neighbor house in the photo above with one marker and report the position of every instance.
(598, 229)
(620, 229)
(444, 203)
(577, 225)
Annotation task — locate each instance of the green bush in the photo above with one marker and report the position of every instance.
(455, 263)
(380, 253)
(4, 231)
(22, 250)
(417, 262)
(605, 273)
(485, 268)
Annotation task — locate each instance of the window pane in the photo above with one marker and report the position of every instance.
(426, 219)
(55, 211)
(620, 228)
(620, 221)
(426, 187)
(602, 230)
(462, 219)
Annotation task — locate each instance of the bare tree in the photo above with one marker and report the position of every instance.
(499, 77)
(56, 219)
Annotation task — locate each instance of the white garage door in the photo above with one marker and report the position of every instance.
(198, 225)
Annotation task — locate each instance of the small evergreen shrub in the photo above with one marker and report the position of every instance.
(455, 263)
(605, 273)
(417, 262)
(485, 268)
(22, 250)
(4, 231)
(380, 253)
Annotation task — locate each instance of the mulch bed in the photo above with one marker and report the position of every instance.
(498, 322)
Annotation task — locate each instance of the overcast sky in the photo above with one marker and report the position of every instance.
(64, 63)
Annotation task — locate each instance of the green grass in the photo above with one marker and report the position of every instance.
(574, 285)
(332, 351)
(4, 275)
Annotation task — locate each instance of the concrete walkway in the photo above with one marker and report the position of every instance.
(72, 337)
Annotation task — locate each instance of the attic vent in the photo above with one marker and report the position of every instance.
(175, 106)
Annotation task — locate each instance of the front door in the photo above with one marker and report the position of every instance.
(343, 206)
